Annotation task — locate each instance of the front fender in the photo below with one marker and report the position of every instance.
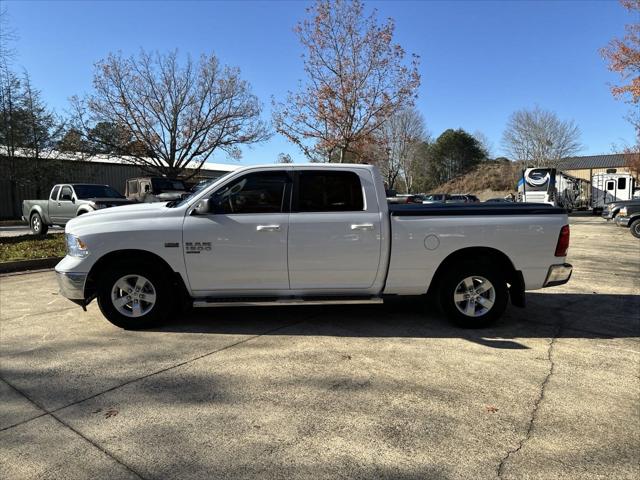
(85, 209)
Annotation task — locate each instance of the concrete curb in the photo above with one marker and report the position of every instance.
(26, 265)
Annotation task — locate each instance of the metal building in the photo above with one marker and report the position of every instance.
(23, 177)
(586, 167)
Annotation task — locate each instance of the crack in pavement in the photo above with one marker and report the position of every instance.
(52, 413)
(65, 424)
(134, 380)
(539, 399)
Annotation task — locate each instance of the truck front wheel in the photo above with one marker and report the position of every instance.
(38, 227)
(473, 294)
(635, 228)
(134, 296)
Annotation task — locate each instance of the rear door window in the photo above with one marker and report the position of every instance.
(622, 183)
(54, 192)
(133, 186)
(328, 191)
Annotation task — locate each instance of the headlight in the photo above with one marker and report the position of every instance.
(75, 246)
(623, 212)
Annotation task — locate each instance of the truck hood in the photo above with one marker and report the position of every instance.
(118, 215)
(108, 201)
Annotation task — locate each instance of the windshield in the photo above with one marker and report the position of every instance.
(185, 198)
(202, 184)
(96, 191)
(164, 184)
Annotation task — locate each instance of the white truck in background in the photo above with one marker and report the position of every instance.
(309, 234)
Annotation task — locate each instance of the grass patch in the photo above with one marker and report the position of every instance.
(28, 247)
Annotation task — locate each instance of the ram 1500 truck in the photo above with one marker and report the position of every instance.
(67, 201)
(273, 235)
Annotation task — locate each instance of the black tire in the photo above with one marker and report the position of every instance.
(634, 227)
(155, 315)
(37, 226)
(451, 287)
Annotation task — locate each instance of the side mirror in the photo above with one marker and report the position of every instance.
(203, 207)
(73, 200)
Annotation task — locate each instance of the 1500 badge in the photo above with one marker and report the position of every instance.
(197, 247)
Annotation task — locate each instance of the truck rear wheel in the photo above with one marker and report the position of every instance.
(473, 294)
(37, 226)
(134, 296)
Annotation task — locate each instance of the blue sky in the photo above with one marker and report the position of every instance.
(480, 61)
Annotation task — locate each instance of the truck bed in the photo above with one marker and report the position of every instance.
(447, 209)
(422, 236)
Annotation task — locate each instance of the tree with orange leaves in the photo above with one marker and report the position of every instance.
(357, 78)
(623, 56)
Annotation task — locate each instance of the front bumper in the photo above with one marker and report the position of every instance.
(622, 221)
(558, 275)
(71, 284)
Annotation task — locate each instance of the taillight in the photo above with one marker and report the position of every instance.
(563, 242)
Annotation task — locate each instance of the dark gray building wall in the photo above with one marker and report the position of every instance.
(27, 178)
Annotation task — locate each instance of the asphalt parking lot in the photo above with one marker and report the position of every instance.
(394, 391)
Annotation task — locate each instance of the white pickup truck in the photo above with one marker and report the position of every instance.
(323, 233)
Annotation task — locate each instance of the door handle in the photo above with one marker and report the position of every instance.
(268, 228)
(362, 226)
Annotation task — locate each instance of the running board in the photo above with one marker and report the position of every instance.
(276, 302)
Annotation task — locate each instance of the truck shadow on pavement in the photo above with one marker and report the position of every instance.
(567, 315)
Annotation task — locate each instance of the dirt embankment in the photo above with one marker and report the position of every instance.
(486, 180)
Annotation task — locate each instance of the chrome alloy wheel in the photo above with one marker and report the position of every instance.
(133, 296)
(474, 296)
(35, 223)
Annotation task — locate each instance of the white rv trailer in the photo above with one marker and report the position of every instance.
(550, 186)
(612, 187)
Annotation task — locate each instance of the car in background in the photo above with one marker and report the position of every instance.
(67, 201)
(462, 198)
(629, 216)
(499, 200)
(405, 198)
(435, 198)
(155, 189)
(611, 210)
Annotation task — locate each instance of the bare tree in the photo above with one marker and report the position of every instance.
(401, 136)
(484, 142)
(177, 116)
(540, 138)
(7, 37)
(41, 128)
(356, 79)
(284, 158)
